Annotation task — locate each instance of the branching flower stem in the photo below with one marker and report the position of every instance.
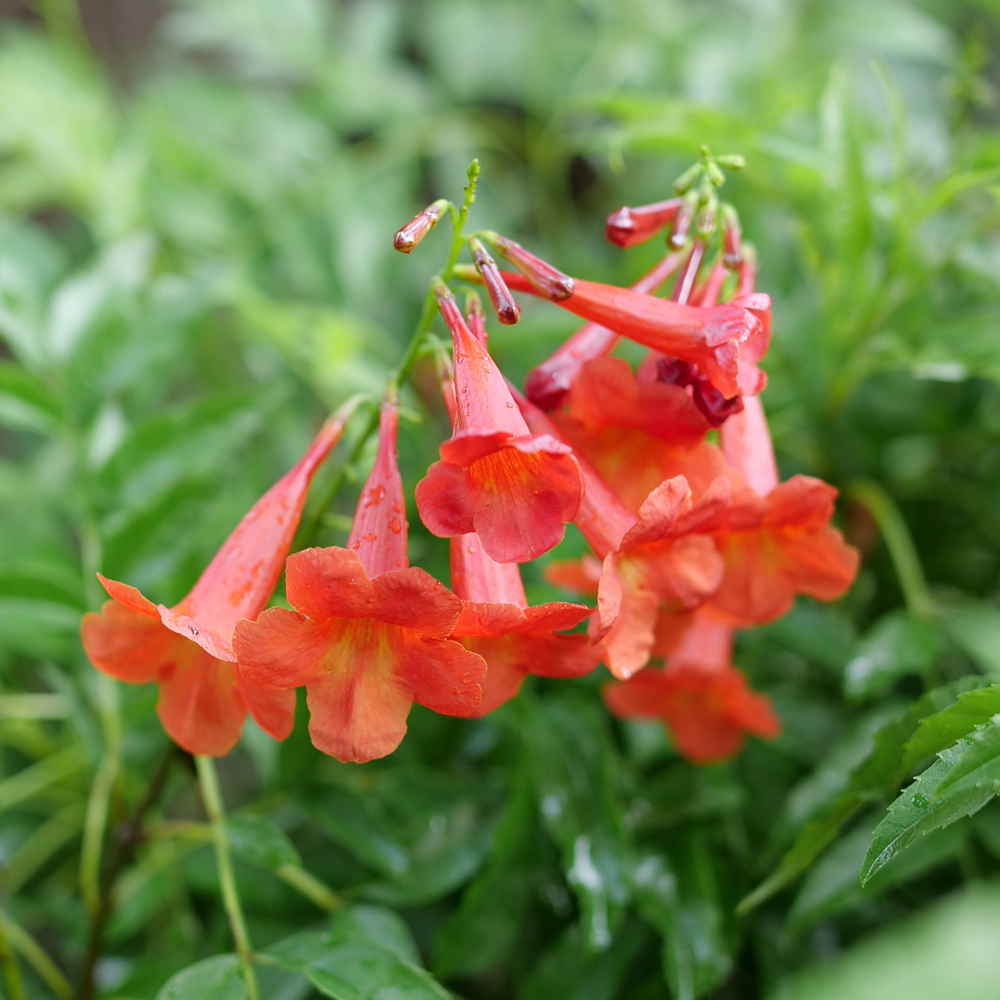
(211, 795)
(413, 350)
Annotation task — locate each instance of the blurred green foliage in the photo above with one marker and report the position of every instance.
(195, 264)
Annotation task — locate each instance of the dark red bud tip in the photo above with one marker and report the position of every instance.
(715, 408)
(553, 284)
(547, 389)
(673, 371)
(415, 230)
(504, 304)
(629, 227)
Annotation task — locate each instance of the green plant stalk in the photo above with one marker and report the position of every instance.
(12, 971)
(211, 795)
(101, 792)
(898, 541)
(32, 952)
(309, 886)
(411, 353)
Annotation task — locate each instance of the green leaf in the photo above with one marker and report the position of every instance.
(25, 402)
(260, 842)
(974, 627)
(898, 644)
(941, 730)
(494, 908)
(218, 978)
(365, 954)
(422, 835)
(832, 886)
(571, 760)
(683, 904)
(949, 952)
(571, 970)
(958, 784)
(878, 774)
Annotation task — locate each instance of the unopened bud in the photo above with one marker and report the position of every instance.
(682, 223)
(549, 281)
(506, 307)
(732, 162)
(686, 181)
(705, 223)
(475, 317)
(415, 230)
(715, 174)
(732, 238)
(629, 227)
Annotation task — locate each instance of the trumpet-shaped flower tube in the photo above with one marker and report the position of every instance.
(514, 639)
(776, 538)
(703, 701)
(515, 489)
(369, 634)
(628, 227)
(726, 341)
(547, 384)
(188, 649)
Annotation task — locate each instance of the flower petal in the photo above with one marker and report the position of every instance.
(443, 675)
(130, 645)
(820, 563)
(272, 709)
(358, 709)
(329, 583)
(283, 649)
(446, 500)
(413, 599)
(201, 704)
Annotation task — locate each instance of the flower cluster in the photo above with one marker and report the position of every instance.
(667, 470)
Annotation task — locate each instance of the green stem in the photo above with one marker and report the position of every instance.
(211, 795)
(33, 953)
(899, 542)
(99, 804)
(12, 971)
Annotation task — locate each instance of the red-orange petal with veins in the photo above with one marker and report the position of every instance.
(517, 500)
(580, 575)
(130, 646)
(282, 648)
(358, 703)
(510, 658)
(201, 704)
(413, 599)
(272, 709)
(443, 675)
(329, 582)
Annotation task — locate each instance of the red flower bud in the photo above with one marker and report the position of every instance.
(415, 230)
(682, 224)
(628, 227)
(548, 281)
(506, 307)
(731, 238)
(547, 384)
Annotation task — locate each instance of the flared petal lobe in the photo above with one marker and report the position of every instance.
(704, 702)
(515, 489)
(707, 713)
(375, 646)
